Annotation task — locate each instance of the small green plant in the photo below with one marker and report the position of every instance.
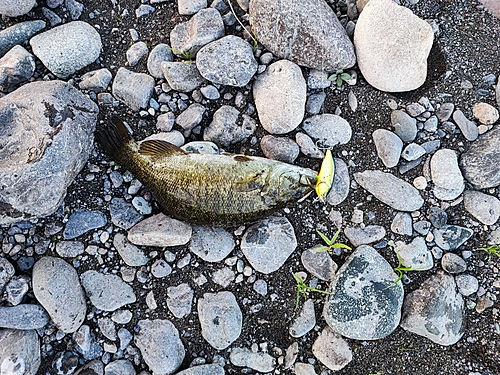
(302, 288)
(399, 269)
(339, 77)
(254, 37)
(118, 18)
(493, 249)
(185, 54)
(331, 243)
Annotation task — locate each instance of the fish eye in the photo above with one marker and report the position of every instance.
(297, 194)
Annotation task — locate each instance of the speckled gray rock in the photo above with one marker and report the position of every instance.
(279, 148)
(412, 152)
(330, 130)
(123, 214)
(160, 345)
(131, 254)
(261, 362)
(305, 321)
(268, 243)
(364, 303)
(136, 52)
(188, 7)
(17, 66)
(484, 207)
(304, 369)
(402, 224)
(83, 221)
(67, 48)
(220, 319)
(446, 175)
(388, 146)
(190, 117)
(319, 264)
(57, 288)
(332, 350)
(307, 146)
(19, 350)
(451, 237)
(391, 190)
(481, 163)
(364, 235)
(210, 369)
(96, 80)
(444, 112)
(306, 32)
(415, 254)
(341, 183)
(467, 127)
(14, 8)
(70, 249)
(107, 292)
(23, 317)
(6, 273)
(16, 289)
(182, 76)
(227, 61)
(405, 126)
(452, 263)
(161, 52)
(204, 27)
(437, 217)
(229, 126)
(394, 58)
(466, 284)
(160, 230)
(133, 89)
(18, 33)
(179, 300)
(211, 244)
(52, 136)
(280, 97)
(441, 324)
(119, 367)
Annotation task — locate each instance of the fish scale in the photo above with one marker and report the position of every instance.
(217, 190)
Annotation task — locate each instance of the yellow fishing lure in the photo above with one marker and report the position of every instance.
(325, 176)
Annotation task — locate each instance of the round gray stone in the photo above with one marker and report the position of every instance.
(330, 130)
(161, 52)
(107, 292)
(211, 244)
(389, 147)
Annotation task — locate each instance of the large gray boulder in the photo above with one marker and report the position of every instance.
(14, 8)
(392, 46)
(45, 140)
(67, 48)
(364, 301)
(306, 32)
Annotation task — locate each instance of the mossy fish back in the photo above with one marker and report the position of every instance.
(217, 190)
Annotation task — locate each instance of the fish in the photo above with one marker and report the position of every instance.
(325, 176)
(223, 190)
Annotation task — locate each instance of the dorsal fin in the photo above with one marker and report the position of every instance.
(159, 148)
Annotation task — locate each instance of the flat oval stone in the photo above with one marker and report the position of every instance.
(364, 302)
(332, 350)
(451, 237)
(484, 207)
(83, 221)
(23, 317)
(391, 190)
(57, 288)
(107, 292)
(160, 230)
(389, 147)
(341, 183)
(330, 130)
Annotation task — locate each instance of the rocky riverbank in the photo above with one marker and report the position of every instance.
(96, 280)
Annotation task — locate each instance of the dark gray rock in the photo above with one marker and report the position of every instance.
(51, 16)
(443, 322)
(204, 27)
(18, 34)
(23, 317)
(51, 137)
(19, 350)
(220, 318)
(268, 243)
(107, 292)
(481, 163)
(160, 345)
(227, 61)
(437, 217)
(341, 183)
(16, 289)
(229, 126)
(134, 89)
(182, 76)
(444, 112)
(75, 9)
(306, 32)
(451, 237)
(17, 66)
(364, 303)
(67, 48)
(57, 288)
(452, 263)
(391, 190)
(279, 148)
(211, 244)
(123, 214)
(83, 221)
(315, 102)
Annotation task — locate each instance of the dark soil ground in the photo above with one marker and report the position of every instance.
(467, 48)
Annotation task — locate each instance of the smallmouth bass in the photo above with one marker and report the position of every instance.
(206, 189)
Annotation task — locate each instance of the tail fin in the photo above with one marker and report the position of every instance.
(114, 138)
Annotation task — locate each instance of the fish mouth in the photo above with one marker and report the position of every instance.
(308, 180)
